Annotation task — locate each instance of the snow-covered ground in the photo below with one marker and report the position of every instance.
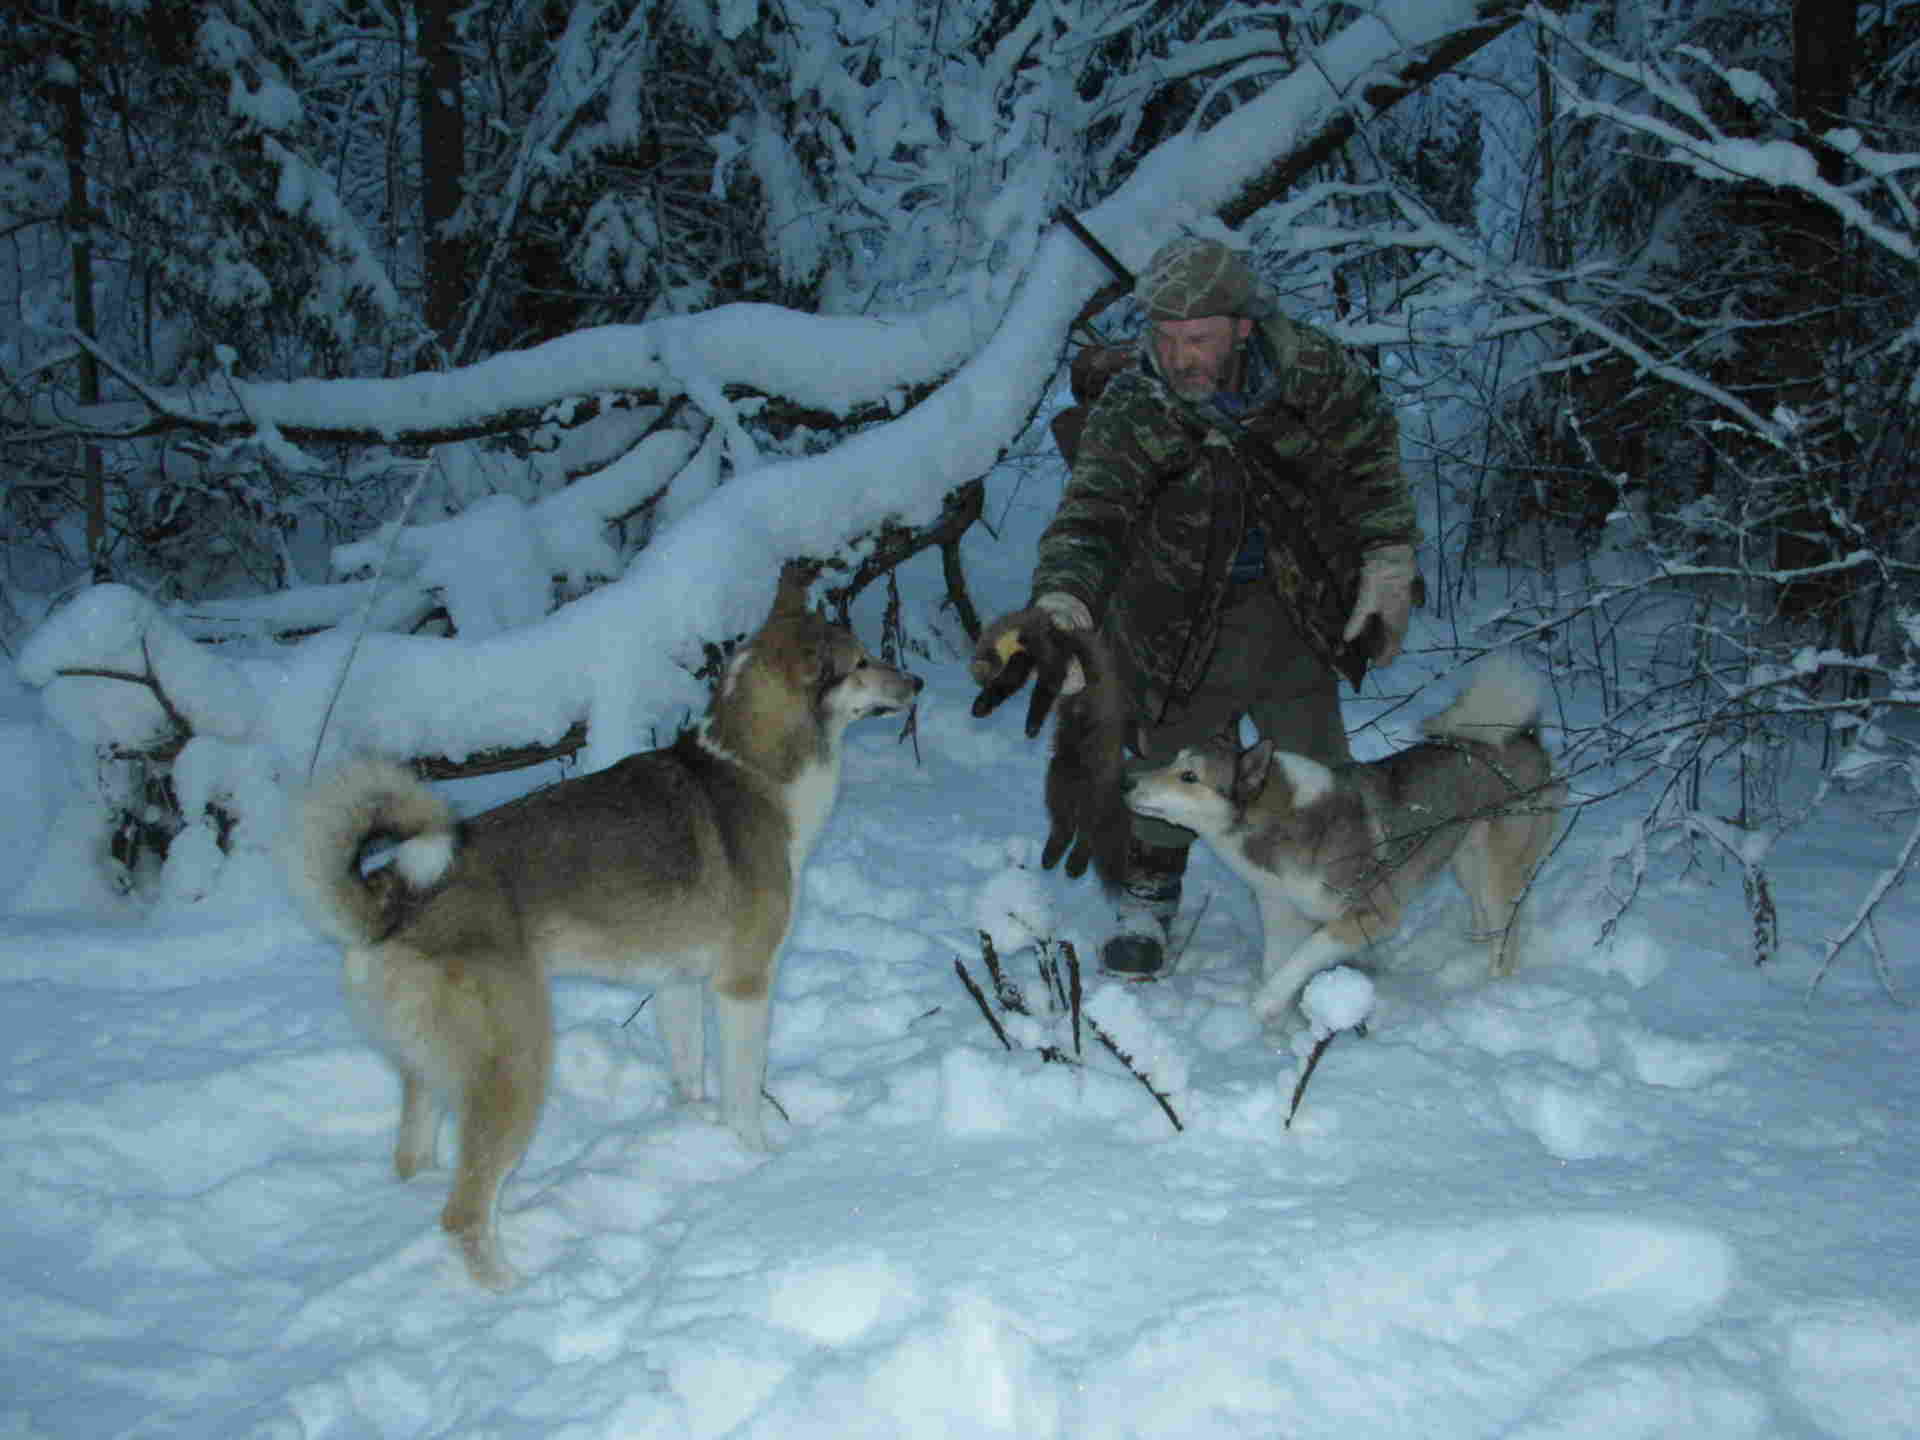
(1642, 1189)
(1639, 1190)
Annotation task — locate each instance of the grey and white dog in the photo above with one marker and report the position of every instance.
(1334, 855)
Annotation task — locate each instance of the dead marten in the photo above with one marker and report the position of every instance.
(1084, 808)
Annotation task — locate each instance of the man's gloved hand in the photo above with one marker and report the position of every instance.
(1386, 593)
(1070, 614)
(1037, 639)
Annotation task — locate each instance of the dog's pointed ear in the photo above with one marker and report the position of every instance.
(790, 599)
(1251, 771)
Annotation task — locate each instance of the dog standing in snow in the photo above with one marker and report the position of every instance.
(1334, 855)
(676, 867)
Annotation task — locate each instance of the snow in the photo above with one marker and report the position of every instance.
(1015, 906)
(1337, 999)
(1640, 1188)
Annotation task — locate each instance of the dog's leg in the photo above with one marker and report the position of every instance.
(1476, 867)
(1322, 950)
(678, 1012)
(419, 1114)
(1283, 928)
(496, 1122)
(1518, 844)
(498, 1112)
(742, 1011)
(506, 1060)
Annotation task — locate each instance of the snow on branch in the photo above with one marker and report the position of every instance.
(118, 673)
(584, 65)
(1516, 287)
(620, 660)
(527, 545)
(1060, 980)
(1862, 921)
(1714, 155)
(1364, 70)
(762, 347)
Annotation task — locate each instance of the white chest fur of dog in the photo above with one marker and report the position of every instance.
(1332, 856)
(676, 867)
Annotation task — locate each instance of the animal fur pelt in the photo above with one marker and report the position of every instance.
(1088, 821)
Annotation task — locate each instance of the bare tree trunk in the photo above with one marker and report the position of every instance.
(1555, 244)
(442, 166)
(73, 139)
(1812, 244)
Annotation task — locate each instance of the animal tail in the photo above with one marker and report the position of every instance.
(1085, 807)
(367, 797)
(1500, 704)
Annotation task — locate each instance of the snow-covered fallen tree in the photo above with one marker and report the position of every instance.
(617, 663)
(663, 470)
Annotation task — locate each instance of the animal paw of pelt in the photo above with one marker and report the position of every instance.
(1028, 643)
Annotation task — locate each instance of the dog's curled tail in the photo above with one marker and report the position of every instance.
(1500, 704)
(365, 798)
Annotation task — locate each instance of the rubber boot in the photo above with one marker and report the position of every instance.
(1149, 899)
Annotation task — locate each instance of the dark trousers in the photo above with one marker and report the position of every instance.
(1261, 668)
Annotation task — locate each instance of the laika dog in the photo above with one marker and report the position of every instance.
(676, 867)
(1334, 855)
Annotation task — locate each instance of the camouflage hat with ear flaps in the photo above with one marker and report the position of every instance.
(1191, 278)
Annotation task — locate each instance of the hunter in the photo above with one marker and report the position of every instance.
(1238, 525)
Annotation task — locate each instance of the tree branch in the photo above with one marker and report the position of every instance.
(896, 544)
(1496, 17)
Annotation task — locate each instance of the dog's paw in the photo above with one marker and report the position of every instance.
(752, 1137)
(747, 1124)
(485, 1265)
(411, 1157)
(474, 1242)
(1273, 1003)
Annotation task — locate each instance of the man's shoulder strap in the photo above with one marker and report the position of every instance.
(1088, 376)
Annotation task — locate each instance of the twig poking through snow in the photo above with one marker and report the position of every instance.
(1060, 994)
(1010, 996)
(1073, 1001)
(1313, 1059)
(980, 999)
(1340, 999)
(1863, 918)
(910, 730)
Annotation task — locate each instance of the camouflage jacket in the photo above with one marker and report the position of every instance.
(1163, 491)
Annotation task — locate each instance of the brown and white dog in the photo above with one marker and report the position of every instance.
(1334, 855)
(676, 868)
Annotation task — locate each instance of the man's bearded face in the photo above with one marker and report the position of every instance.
(1197, 356)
